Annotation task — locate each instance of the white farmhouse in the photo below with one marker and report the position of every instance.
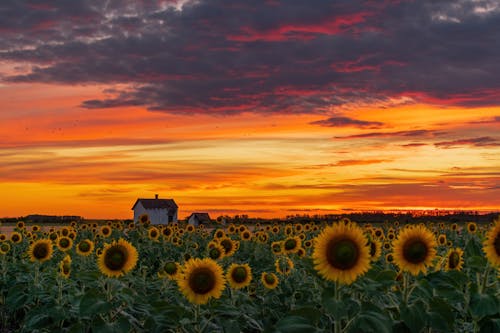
(199, 218)
(160, 211)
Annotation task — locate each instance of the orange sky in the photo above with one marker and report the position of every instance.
(60, 159)
(264, 108)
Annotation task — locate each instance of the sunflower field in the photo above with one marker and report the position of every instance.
(330, 277)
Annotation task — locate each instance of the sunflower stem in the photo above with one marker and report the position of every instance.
(406, 294)
(482, 286)
(337, 323)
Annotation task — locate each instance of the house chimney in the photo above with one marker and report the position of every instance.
(156, 196)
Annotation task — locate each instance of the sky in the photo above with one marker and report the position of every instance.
(266, 108)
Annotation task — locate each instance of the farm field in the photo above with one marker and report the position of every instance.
(311, 277)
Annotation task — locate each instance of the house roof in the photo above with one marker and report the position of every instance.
(201, 217)
(156, 204)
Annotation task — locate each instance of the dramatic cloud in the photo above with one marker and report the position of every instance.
(345, 121)
(401, 134)
(484, 141)
(236, 56)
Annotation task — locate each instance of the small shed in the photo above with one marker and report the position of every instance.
(199, 218)
(160, 211)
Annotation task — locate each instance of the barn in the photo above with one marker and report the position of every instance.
(160, 211)
(199, 218)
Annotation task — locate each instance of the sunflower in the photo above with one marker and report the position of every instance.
(308, 243)
(20, 225)
(414, 249)
(378, 232)
(64, 243)
(239, 275)
(288, 229)
(491, 246)
(219, 233)
(85, 247)
(246, 235)
(442, 239)
(172, 270)
(201, 279)
(275, 229)
(263, 237)
(65, 267)
(4, 248)
(117, 258)
(291, 244)
(298, 227)
(41, 250)
(231, 229)
(153, 233)
(216, 251)
(301, 252)
(143, 219)
(35, 228)
(284, 265)
(375, 249)
(269, 280)
(167, 232)
(471, 227)
(454, 227)
(229, 246)
(64, 231)
(340, 253)
(389, 258)
(2, 237)
(16, 237)
(387, 246)
(105, 231)
(277, 247)
(454, 259)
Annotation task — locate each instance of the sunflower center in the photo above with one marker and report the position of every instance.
(41, 251)
(290, 244)
(153, 234)
(202, 280)
(415, 251)
(115, 258)
(84, 246)
(214, 253)
(342, 254)
(454, 260)
(170, 268)
(64, 242)
(239, 274)
(15, 238)
(227, 245)
(4, 247)
(497, 244)
(269, 279)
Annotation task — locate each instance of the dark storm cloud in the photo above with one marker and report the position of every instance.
(261, 56)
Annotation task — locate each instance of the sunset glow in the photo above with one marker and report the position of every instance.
(249, 117)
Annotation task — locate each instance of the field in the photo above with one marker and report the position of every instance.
(311, 277)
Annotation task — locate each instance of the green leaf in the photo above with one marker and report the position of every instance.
(441, 315)
(93, 303)
(100, 326)
(473, 248)
(414, 316)
(489, 326)
(37, 321)
(482, 305)
(372, 320)
(386, 276)
(231, 326)
(308, 312)
(294, 324)
(336, 308)
(16, 298)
